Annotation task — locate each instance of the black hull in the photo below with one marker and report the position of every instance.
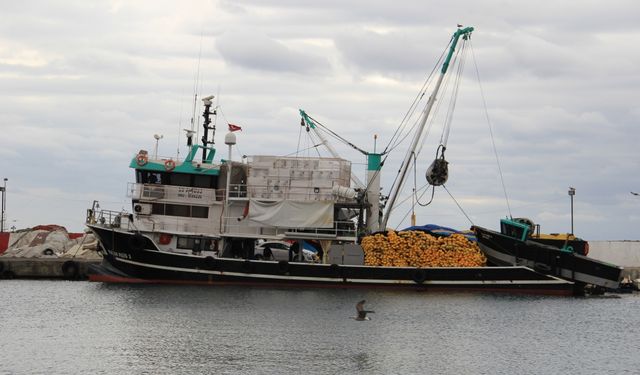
(578, 245)
(503, 250)
(149, 265)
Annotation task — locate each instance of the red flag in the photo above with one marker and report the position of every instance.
(233, 128)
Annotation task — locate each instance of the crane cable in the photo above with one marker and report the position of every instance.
(460, 59)
(449, 119)
(454, 95)
(335, 135)
(395, 140)
(398, 137)
(493, 143)
(447, 129)
(431, 120)
(457, 204)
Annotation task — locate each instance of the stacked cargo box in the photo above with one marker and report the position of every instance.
(300, 179)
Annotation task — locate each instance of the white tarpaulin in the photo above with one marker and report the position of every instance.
(291, 214)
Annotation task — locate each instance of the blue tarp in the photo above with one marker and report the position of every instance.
(310, 245)
(438, 230)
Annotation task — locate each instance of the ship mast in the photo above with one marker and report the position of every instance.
(465, 33)
(207, 120)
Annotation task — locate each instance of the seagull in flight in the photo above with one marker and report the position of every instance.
(362, 313)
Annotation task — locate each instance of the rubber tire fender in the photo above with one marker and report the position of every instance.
(283, 266)
(70, 270)
(419, 276)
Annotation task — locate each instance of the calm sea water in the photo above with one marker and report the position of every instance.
(60, 327)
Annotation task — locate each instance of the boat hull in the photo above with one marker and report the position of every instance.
(504, 250)
(150, 265)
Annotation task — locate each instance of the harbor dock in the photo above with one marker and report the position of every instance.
(47, 252)
(45, 268)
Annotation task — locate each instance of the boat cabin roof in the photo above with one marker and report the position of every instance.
(142, 162)
(514, 229)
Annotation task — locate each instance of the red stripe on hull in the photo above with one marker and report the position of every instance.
(128, 280)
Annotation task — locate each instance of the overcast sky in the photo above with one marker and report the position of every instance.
(85, 84)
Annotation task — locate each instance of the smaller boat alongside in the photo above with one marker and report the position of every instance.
(563, 256)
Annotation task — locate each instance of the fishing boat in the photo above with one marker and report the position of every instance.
(564, 256)
(197, 221)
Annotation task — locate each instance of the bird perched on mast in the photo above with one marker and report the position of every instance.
(362, 313)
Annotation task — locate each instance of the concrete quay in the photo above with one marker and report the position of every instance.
(45, 268)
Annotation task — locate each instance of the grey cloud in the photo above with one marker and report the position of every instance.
(254, 50)
(398, 53)
(560, 82)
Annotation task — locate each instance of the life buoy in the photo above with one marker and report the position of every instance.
(283, 266)
(245, 211)
(169, 165)
(586, 249)
(419, 276)
(70, 270)
(165, 239)
(137, 242)
(141, 159)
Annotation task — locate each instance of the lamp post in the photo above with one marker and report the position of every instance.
(158, 137)
(572, 192)
(3, 189)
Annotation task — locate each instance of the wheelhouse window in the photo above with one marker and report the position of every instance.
(185, 243)
(195, 243)
(146, 177)
(201, 212)
(176, 179)
(513, 230)
(181, 210)
(177, 210)
(157, 208)
(180, 179)
(202, 181)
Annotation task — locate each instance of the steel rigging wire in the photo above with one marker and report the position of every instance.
(459, 59)
(445, 137)
(399, 135)
(493, 143)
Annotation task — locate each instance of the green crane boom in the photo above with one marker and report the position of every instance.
(465, 34)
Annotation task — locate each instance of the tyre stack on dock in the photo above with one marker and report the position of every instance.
(47, 251)
(420, 249)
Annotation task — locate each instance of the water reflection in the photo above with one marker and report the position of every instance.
(74, 328)
(362, 361)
